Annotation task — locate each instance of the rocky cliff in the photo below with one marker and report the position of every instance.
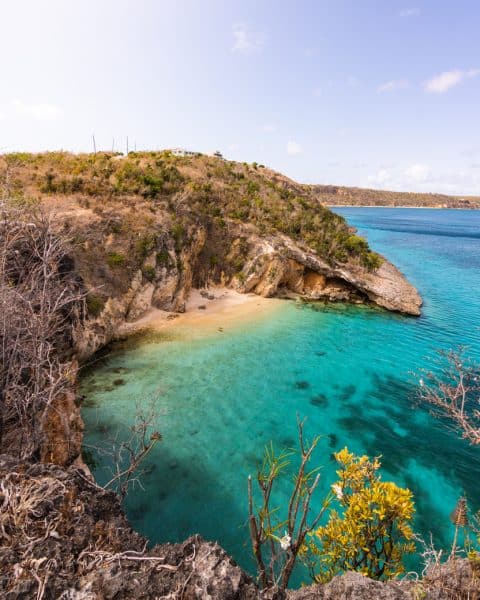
(142, 232)
(146, 228)
(64, 537)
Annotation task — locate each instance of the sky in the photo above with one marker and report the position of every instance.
(370, 93)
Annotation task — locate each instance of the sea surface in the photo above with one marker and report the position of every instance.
(352, 371)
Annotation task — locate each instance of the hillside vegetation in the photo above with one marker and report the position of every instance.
(332, 195)
(205, 189)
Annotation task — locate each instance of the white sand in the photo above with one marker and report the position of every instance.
(228, 309)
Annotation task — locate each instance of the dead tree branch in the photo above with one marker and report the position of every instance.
(40, 302)
(453, 393)
(276, 556)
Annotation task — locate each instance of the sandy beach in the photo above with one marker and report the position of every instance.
(208, 312)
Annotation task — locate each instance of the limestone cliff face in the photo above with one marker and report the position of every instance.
(279, 267)
(271, 266)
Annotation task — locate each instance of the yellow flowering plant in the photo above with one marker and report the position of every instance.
(371, 531)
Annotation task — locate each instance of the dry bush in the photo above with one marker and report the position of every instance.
(41, 300)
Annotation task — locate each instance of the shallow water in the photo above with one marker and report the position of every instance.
(348, 369)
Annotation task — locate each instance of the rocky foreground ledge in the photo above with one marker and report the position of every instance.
(64, 537)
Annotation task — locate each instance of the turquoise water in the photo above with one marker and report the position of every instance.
(348, 369)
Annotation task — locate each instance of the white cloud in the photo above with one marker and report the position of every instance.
(293, 148)
(318, 91)
(380, 177)
(39, 112)
(448, 79)
(269, 128)
(420, 177)
(393, 85)
(246, 41)
(417, 172)
(410, 12)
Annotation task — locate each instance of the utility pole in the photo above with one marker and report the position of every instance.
(113, 145)
(127, 145)
(94, 144)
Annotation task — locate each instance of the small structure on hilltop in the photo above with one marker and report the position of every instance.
(184, 152)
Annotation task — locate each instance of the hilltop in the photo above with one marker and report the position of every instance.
(333, 195)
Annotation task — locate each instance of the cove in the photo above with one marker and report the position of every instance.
(350, 370)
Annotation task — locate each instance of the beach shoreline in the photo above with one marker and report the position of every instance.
(207, 312)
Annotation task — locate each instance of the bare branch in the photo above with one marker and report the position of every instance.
(453, 393)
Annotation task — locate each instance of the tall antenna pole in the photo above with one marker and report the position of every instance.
(94, 144)
(127, 145)
(113, 145)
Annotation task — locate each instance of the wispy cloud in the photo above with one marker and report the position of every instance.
(293, 148)
(41, 112)
(245, 40)
(393, 85)
(417, 172)
(269, 127)
(449, 79)
(421, 177)
(380, 177)
(410, 12)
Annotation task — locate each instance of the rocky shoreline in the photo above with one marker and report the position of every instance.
(62, 535)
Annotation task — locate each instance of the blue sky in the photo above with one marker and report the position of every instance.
(374, 93)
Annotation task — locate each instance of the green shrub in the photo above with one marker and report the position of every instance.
(178, 232)
(149, 272)
(372, 261)
(163, 258)
(252, 187)
(355, 243)
(95, 304)
(49, 185)
(145, 245)
(114, 259)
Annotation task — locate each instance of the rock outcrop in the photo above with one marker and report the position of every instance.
(279, 267)
(64, 537)
(68, 538)
(271, 266)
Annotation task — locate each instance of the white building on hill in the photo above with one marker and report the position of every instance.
(183, 152)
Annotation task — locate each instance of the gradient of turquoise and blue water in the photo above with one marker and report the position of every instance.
(348, 369)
